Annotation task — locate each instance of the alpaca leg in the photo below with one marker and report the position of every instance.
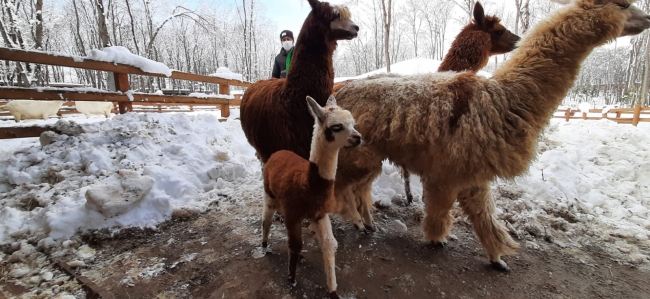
(294, 234)
(267, 218)
(328, 245)
(477, 202)
(438, 220)
(407, 184)
(364, 196)
(350, 211)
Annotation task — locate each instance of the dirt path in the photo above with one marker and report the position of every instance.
(215, 256)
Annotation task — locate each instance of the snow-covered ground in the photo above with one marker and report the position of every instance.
(407, 67)
(590, 182)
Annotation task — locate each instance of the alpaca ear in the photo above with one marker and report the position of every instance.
(315, 109)
(479, 14)
(313, 3)
(331, 101)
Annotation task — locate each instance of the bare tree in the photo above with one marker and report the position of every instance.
(387, 17)
(415, 21)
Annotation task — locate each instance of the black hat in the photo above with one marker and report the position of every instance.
(286, 33)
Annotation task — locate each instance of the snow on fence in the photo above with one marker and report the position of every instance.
(637, 112)
(124, 96)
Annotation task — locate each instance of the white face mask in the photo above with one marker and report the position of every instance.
(287, 45)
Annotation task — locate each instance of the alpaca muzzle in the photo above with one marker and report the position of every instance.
(344, 29)
(354, 140)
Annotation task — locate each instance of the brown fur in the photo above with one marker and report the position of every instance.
(476, 42)
(459, 131)
(307, 195)
(273, 112)
(302, 189)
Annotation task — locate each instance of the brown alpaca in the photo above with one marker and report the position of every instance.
(303, 189)
(273, 112)
(460, 131)
(471, 51)
(480, 39)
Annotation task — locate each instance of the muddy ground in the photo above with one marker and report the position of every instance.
(217, 255)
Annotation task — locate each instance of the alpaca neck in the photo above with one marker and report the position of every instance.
(324, 156)
(311, 70)
(545, 65)
(470, 51)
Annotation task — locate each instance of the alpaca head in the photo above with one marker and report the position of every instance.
(334, 123)
(503, 41)
(335, 20)
(620, 15)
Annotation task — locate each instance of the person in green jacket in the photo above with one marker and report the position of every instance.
(282, 60)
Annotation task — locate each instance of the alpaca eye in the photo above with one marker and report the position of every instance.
(499, 32)
(624, 5)
(337, 128)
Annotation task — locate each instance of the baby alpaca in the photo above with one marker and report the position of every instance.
(305, 189)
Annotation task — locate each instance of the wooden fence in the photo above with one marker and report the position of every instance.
(615, 114)
(124, 97)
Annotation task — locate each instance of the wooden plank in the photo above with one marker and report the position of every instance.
(85, 63)
(567, 115)
(23, 132)
(57, 95)
(224, 89)
(122, 84)
(637, 115)
(93, 291)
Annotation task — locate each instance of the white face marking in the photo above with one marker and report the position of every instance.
(341, 124)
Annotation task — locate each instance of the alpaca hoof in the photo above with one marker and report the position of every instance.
(292, 282)
(302, 259)
(370, 227)
(334, 295)
(438, 244)
(265, 244)
(360, 227)
(500, 266)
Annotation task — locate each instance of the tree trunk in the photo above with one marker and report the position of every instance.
(643, 95)
(101, 22)
(387, 21)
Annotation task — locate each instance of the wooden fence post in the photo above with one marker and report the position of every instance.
(567, 115)
(224, 89)
(122, 84)
(637, 115)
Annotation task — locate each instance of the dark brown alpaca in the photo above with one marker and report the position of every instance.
(480, 39)
(304, 189)
(470, 51)
(273, 112)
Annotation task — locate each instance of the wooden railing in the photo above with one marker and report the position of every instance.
(120, 73)
(636, 112)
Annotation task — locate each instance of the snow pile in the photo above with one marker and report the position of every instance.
(119, 54)
(407, 67)
(591, 178)
(225, 73)
(43, 190)
(212, 95)
(584, 107)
